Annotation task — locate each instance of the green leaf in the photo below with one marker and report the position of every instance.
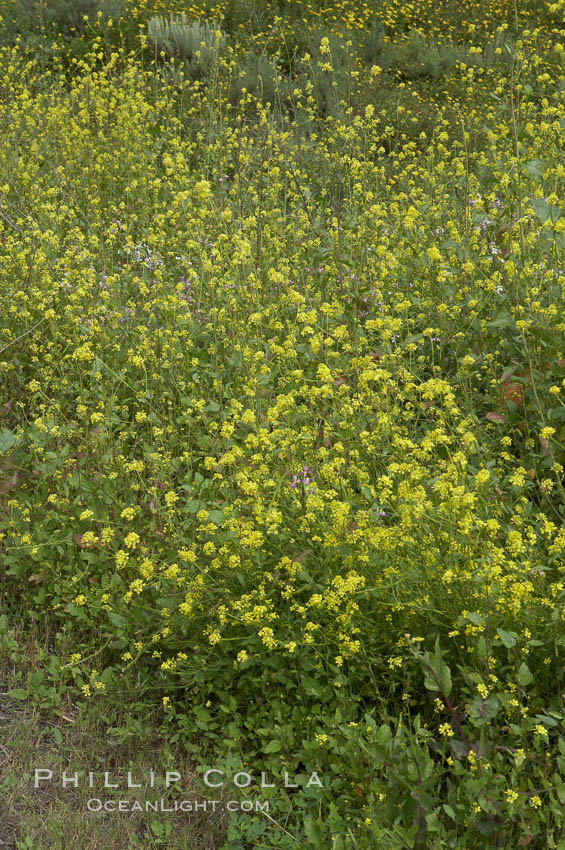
(156, 828)
(35, 679)
(534, 168)
(312, 687)
(437, 675)
(442, 670)
(75, 610)
(548, 721)
(445, 679)
(18, 693)
(501, 319)
(560, 785)
(507, 638)
(313, 831)
(97, 366)
(540, 208)
(7, 440)
(384, 734)
(430, 683)
(484, 710)
(273, 747)
(217, 517)
(432, 822)
(476, 619)
(543, 210)
(524, 676)
(117, 619)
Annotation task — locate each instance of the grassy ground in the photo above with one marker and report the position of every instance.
(282, 430)
(54, 816)
(40, 811)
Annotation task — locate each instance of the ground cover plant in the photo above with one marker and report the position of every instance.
(282, 419)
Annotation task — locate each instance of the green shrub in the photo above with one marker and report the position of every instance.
(326, 73)
(257, 74)
(197, 43)
(421, 57)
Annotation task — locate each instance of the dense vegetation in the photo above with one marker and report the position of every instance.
(282, 430)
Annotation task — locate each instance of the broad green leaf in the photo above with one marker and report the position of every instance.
(540, 208)
(534, 168)
(216, 517)
(507, 638)
(313, 832)
(117, 619)
(18, 693)
(524, 676)
(7, 440)
(502, 319)
(384, 734)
